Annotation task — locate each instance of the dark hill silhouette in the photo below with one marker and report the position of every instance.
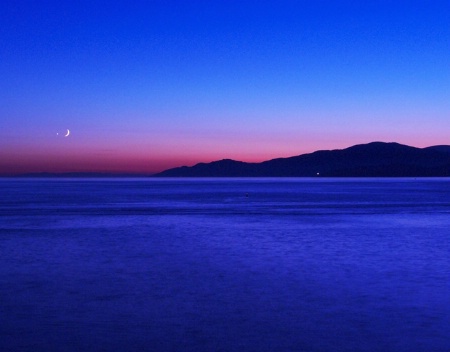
(376, 159)
(440, 148)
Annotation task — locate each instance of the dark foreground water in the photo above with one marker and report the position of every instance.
(197, 265)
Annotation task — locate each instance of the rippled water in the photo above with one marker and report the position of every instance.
(225, 264)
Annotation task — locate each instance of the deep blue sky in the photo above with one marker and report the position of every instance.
(145, 85)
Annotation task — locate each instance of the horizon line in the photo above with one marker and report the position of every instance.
(124, 173)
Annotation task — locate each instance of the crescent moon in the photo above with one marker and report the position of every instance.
(67, 134)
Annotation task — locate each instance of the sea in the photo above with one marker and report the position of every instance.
(223, 264)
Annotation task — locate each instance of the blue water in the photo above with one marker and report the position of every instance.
(225, 265)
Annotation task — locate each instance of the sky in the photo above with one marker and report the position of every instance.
(148, 85)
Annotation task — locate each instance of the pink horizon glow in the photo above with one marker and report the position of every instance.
(146, 160)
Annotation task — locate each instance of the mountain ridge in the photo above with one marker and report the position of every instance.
(374, 159)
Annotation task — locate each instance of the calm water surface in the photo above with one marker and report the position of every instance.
(225, 265)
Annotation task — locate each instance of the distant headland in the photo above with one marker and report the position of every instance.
(376, 159)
